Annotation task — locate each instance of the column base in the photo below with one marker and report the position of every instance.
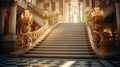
(1, 44)
(9, 44)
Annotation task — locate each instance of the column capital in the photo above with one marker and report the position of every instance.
(14, 3)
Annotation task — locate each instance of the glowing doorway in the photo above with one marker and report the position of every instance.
(75, 17)
(74, 11)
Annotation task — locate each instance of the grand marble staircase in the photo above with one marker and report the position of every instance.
(67, 40)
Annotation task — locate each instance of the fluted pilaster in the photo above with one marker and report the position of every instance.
(1, 22)
(10, 38)
(118, 17)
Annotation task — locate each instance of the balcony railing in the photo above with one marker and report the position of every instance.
(53, 17)
(41, 13)
(22, 4)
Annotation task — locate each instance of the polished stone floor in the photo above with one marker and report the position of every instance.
(57, 62)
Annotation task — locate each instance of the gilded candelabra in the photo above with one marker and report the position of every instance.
(26, 22)
(24, 39)
(97, 18)
(97, 15)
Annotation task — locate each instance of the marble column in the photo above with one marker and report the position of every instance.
(118, 18)
(69, 12)
(10, 38)
(90, 4)
(82, 11)
(64, 10)
(86, 6)
(107, 2)
(87, 3)
(61, 7)
(46, 4)
(41, 5)
(50, 6)
(57, 5)
(79, 12)
(93, 3)
(1, 22)
(1, 30)
(84, 1)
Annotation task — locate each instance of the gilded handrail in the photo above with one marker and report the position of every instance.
(26, 40)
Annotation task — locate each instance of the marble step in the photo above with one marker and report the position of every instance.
(65, 35)
(58, 56)
(65, 47)
(70, 26)
(62, 53)
(40, 44)
(54, 49)
(70, 32)
(67, 41)
(39, 48)
(70, 37)
(75, 39)
(64, 42)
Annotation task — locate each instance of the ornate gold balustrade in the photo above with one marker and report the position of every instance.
(103, 34)
(27, 39)
(104, 40)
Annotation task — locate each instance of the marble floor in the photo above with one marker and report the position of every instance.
(57, 62)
